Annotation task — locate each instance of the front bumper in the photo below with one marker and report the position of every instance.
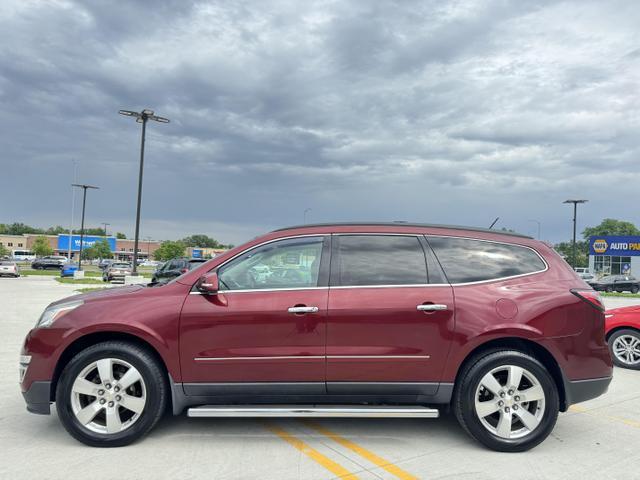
(577, 391)
(38, 397)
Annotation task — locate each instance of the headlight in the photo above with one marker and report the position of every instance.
(51, 314)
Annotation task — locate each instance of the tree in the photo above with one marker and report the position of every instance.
(41, 247)
(121, 236)
(4, 251)
(610, 226)
(582, 252)
(168, 250)
(201, 240)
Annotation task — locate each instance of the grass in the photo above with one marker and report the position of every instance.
(55, 273)
(620, 294)
(77, 280)
(90, 289)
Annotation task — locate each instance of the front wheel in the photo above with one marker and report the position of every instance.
(507, 400)
(635, 289)
(111, 394)
(624, 346)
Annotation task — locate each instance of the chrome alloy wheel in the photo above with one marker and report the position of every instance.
(626, 348)
(108, 396)
(510, 402)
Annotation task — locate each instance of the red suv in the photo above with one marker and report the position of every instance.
(332, 320)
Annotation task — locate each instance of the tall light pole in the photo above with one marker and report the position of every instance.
(105, 224)
(538, 222)
(84, 202)
(73, 206)
(304, 215)
(575, 214)
(141, 117)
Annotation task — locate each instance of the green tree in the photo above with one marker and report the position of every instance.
(610, 226)
(121, 236)
(201, 240)
(582, 252)
(168, 250)
(41, 247)
(4, 251)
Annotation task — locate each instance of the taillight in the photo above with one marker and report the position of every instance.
(184, 270)
(592, 297)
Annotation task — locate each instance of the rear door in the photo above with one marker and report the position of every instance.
(390, 317)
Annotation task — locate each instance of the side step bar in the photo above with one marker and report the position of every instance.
(311, 411)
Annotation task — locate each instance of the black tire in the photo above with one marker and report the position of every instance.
(635, 289)
(608, 289)
(619, 333)
(465, 391)
(155, 381)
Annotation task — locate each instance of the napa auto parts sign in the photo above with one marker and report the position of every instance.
(615, 245)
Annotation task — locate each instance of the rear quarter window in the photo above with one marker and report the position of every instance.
(466, 260)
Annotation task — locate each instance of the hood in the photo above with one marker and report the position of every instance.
(620, 310)
(100, 294)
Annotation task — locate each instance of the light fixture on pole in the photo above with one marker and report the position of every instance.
(141, 117)
(84, 202)
(575, 214)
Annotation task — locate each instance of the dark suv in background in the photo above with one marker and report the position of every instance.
(46, 263)
(616, 283)
(174, 268)
(368, 320)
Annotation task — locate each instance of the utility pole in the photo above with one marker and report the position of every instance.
(105, 227)
(575, 215)
(141, 117)
(84, 202)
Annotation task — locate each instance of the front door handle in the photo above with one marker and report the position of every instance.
(431, 307)
(303, 309)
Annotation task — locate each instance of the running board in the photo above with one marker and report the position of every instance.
(311, 411)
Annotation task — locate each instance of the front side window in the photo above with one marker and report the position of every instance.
(292, 263)
(465, 260)
(380, 260)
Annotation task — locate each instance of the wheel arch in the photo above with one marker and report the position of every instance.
(618, 328)
(523, 345)
(90, 339)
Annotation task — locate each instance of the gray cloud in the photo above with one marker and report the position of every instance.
(453, 112)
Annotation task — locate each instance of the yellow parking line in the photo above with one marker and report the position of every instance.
(593, 413)
(363, 452)
(312, 453)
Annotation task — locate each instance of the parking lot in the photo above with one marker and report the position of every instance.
(597, 439)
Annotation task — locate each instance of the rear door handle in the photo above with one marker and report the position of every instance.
(302, 309)
(431, 307)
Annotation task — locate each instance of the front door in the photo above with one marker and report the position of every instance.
(390, 317)
(265, 330)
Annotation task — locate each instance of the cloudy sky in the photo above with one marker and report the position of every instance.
(432, 111)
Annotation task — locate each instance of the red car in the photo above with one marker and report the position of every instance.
(364, 320)
(623, 336)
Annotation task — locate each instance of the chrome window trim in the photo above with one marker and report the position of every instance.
(314, 357)
(499, 279)
(216, 268)
(253, 290)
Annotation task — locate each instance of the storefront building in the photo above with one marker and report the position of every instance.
(614, 255)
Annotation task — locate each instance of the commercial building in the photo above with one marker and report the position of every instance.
(614, 255)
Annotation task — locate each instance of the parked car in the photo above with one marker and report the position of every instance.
(586, 276)
(105, 262)
(616, 283)
(174, 268)
(151, 263)
(396, 320)
(68, 270)
(46, 263)
(9, 268)
(623, 336)
(116, 271)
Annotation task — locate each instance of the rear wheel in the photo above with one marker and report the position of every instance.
(624, 346)
(111, 394)
(507, 401)
(635, 289)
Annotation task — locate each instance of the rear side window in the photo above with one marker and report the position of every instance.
(465, 260)
(379, 260)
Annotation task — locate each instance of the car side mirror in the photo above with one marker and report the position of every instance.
(208, 283)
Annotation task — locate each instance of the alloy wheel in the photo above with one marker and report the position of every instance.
(108, 396)
(510, 402)
(626, 348)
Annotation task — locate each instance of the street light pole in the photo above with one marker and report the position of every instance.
(304, 215)
(575, 214)
(73, 205)
(84, 202)
(141, 117)
(538, 222)
(105, 228)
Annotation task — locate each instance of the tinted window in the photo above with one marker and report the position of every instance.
(466, 260)
(293, 263)
(380, 260)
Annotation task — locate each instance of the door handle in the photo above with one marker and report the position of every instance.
(303, 309)
(431, 307)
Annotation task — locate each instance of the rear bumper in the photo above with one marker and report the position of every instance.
(38, 398)
(577, 391)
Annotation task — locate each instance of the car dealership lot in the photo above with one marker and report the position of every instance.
(596, 439)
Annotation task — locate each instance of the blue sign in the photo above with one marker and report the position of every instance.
(196, 253)
(615, 245)
(88, 241)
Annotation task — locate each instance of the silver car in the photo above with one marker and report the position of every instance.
(9, 268)
(116, 271)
